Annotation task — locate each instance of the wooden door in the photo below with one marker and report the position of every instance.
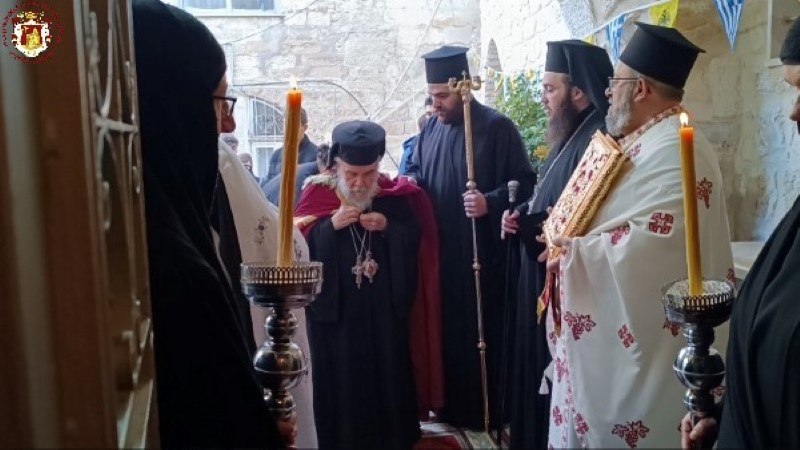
(75, 315)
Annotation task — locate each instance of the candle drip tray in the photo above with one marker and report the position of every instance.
(710, 309)
(270, 286)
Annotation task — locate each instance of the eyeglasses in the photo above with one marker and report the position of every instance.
(230, 102)
(612, 79)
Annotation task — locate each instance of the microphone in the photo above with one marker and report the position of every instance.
(513, 186)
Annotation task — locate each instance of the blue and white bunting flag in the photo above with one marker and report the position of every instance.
(729, 12)
(614, 36)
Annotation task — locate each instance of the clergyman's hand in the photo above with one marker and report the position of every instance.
(705, 430)
(374, 221)
(344, 216)
(562, 242)
(475, 204)
(509, 224)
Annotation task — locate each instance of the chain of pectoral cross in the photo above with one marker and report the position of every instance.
(366, 266)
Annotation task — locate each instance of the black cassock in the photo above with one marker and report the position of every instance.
(364, 394)
(530, 413)
(439, 165)
(762, 398)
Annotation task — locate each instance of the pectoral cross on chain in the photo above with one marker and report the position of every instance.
(358, 271)
(370, 267)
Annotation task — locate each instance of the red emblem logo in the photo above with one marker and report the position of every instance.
(661, 223)
(30, 31)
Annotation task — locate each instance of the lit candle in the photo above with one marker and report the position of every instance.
(291, 141)
(690, 207)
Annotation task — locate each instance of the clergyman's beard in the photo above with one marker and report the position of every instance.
(361, 198)
(561, 124)
(619, 115)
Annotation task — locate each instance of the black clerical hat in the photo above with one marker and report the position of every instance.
(790, 51)
(661, 53)
(357, 142)
(587, 66)
(445, 63)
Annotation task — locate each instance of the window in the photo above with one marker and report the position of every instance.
(261, 157)
(215, 6)
(265, 132)
(267, 120)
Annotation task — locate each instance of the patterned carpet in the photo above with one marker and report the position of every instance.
(440, 436)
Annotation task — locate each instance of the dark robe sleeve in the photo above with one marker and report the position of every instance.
(322, 247)
(403, 236)
(507, 143)
(530, 225)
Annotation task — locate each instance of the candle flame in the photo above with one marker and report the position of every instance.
(684, 119)
(293, 82)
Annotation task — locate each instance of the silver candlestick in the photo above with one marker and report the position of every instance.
(698, 366)
(279, 363)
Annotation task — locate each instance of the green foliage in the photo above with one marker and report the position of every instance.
(519, 98)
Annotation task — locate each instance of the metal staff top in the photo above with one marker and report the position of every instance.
(465, 87)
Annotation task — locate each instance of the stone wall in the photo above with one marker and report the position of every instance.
(742, 104)
(520, 29)
(738, 97)
(352, 58)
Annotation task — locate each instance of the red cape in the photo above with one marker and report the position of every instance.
(319, 200)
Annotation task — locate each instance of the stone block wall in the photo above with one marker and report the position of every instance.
(352, 58)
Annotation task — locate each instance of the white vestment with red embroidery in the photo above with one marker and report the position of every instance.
(613, 384)
(256, 221)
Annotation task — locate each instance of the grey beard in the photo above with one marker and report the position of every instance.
(618, 117)
(362, 204)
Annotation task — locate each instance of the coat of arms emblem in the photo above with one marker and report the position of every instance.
(31, 35)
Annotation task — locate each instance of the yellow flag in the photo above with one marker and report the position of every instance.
(664, 14)
(589, 39)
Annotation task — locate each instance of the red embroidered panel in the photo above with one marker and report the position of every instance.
(558, 418)
(661, 223)
(618, 233)
(704, 189)
(631, 432)
(673, 327)
(581, 427)
(626, 336)
(579, 324)
(561, 369)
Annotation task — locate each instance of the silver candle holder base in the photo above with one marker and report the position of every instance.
(698, 366)
(279, 363)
